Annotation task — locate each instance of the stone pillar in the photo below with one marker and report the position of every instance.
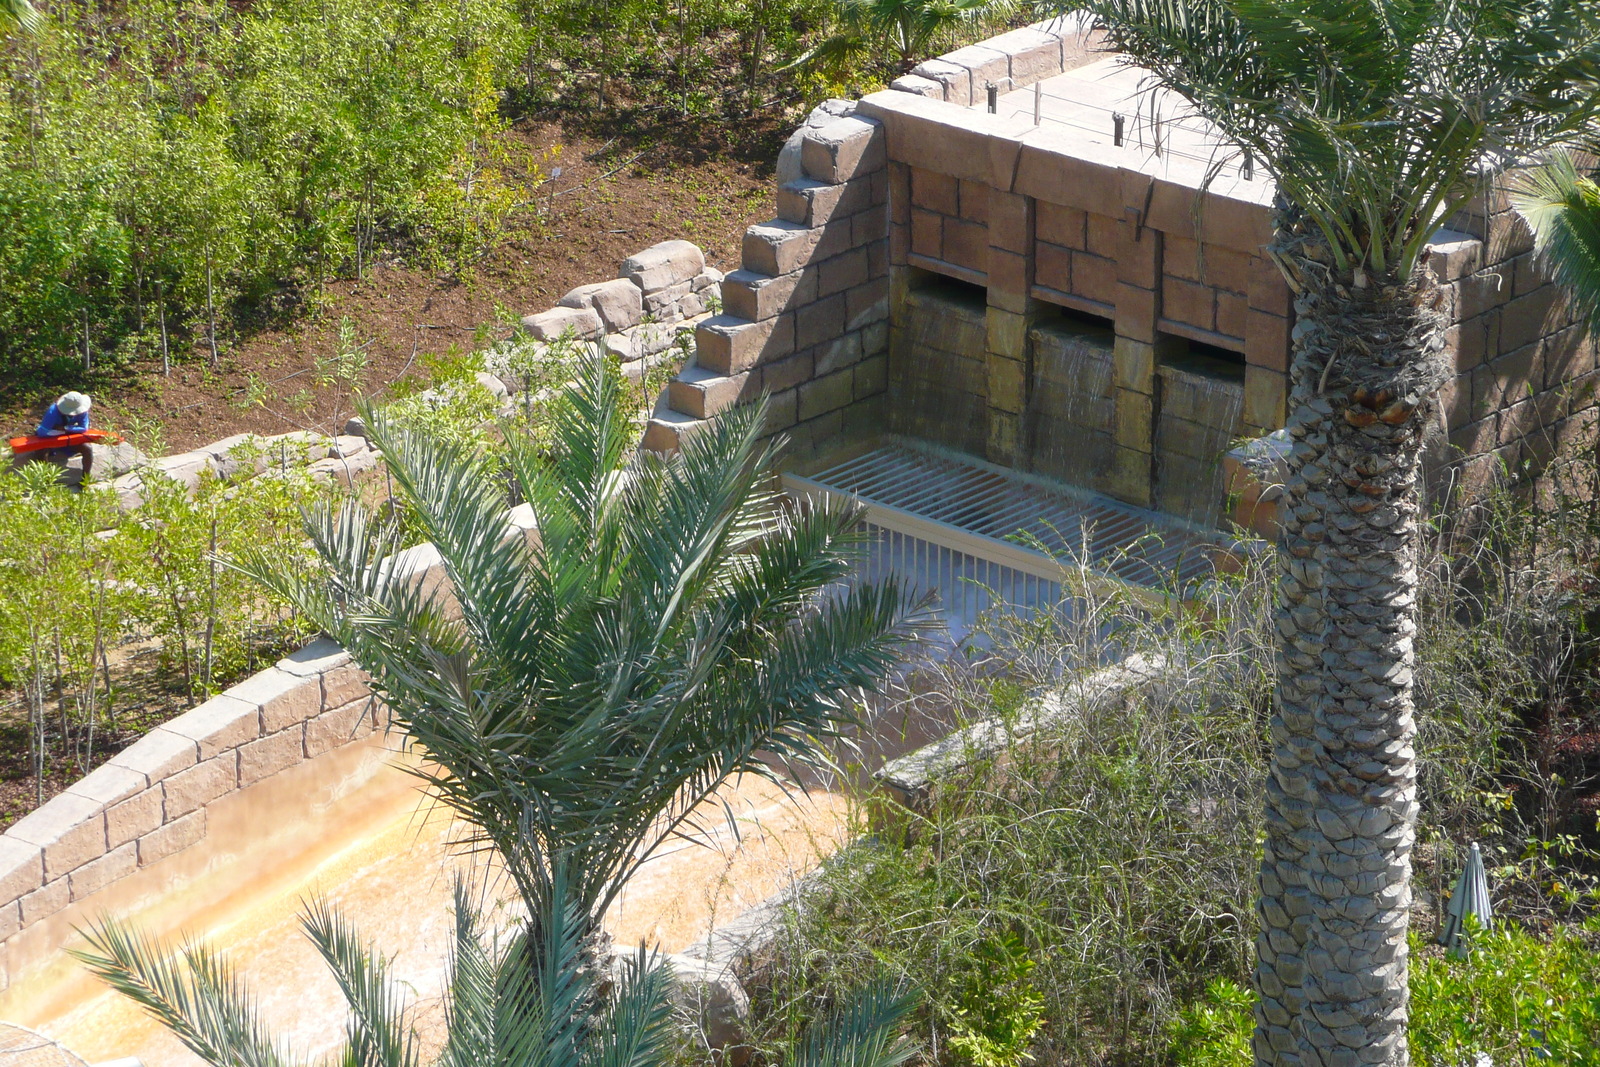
(1132, 471)
(1011, 312)
(1266, 348)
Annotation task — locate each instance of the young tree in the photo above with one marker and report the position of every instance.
(1376, 120)
(673, 623)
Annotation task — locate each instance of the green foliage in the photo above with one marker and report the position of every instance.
(1562, 207)
(1515, 998)
(996, 1010)
(666, 630)
(897, 34)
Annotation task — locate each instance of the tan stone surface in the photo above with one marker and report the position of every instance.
(221, 723)
(71, 830)
(157, 754)
(134, 817)
(271, 754)
(199, 785)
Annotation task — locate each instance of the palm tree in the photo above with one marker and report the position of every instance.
(580, 693)
(1377, 121)
(1562, 207)
(505, 1005)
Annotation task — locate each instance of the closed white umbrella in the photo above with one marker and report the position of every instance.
(1470, 898)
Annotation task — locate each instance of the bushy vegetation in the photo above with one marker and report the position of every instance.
(176, 170)
(86, 584)
(1095, 889)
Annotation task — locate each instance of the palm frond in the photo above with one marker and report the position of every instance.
(201, 1000)
(378, 1032)
(863, 1032)
(19, 15)
(1562, 208)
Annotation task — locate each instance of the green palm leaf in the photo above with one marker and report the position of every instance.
(1562, 207)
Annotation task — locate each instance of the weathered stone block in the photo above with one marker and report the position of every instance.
(1568, 355)
(1129, 477)
(1525, 319)
(843, 149)
(825, 394)
(1065, 226)
(1266, 340)
(842, 272)
(109, 784)
(582, 323)
(271, 754)
(748, 295)
(812, 203)
(935, 192)
(869, 225)
(1003, 439)
(158, 754)
(333, 729)
(974, 197)
(1034, 54)
(729, 345)
(173, 837)
(1052, 265)
(703, 393)
(1006, 332)
(927, 233)
(955, 82)
(779, 247)
(10, 923)
(97, 874)
(1134, 364)
(664, 264)
(872, 376)
(1134, 423)
(1232, 311)
(21, 867)
(1008, 383)
(343, 684)
(281, 698)
(1265, 398)
(1188, 302)
(1094, 278)
(618, 302)
(966, 244)
(134, 817)
(200, 785)
(985, 66)
(221, 723)
(1137, 311)
(70, 829)
(918, 86)
(819, 322)
(834, 355)
(785, 374)
(1010, 280)
(867, 303)
(45, 902)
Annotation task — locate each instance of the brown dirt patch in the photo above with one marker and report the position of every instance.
(618, 192)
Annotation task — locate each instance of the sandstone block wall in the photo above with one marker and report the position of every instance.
(150, 801)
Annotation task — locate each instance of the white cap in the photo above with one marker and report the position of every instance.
(73, 403)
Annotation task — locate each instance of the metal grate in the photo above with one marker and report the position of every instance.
(1020, 522)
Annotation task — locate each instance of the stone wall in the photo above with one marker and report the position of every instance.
(149, 803)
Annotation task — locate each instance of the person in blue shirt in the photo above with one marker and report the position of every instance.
(69, 414)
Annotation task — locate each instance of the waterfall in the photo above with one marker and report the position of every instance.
(1198, 421)
(1070, 412)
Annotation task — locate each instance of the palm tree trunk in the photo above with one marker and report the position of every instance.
(1341, 797)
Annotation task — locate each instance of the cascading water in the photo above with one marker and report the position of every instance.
(1070, 412)
(1199, 409)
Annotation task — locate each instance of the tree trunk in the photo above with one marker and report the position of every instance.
(1341, 796)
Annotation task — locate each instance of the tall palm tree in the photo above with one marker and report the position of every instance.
(582, 692)
(1377, 120)
(505, 1006)
(1562, 206)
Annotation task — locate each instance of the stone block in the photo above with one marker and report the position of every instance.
(186, 468)
(1102, 235)
(618, 302)
(582, 323)
(1137, 311)
(1008, 383)
(955, 82)
(97, 874)
(1525, 319)
(1266, 340)
(1011, 222)
(1453, 255)
(1052, 265)
(1010, 279)
(1006, 332)
(158, 754)
(70, 829)
(1232, 312)
(1134, 364)
(1003, 440)
(703, 393)
(10, 923)
(46, 901)
(869, 225)
(1267, 289)
(228, 455)
(662, 305)
(729, 345)
(826, 358)
(1265, 398)
(974, 197)
(1034, 54)
(1508, 236)
(336, 728)
(1129, 477)
(1094, 278)
(1188, 302)
(843, 149)
(1066, 226)
(785, 374)
(819, 322)
(221, 723)
(872, 376)
(779, 247)
(825, 394)
(867, 303)
(347, 444)
(664, 264)
(1134, 425)
(281, 698)
(966, 244)
(271, 754)
(918, 85)
(841, 272)
(935, 192)
(172, 837)
(109, 784)
(812, 203)
(134, 817)
(200, 785)
(1568, 355)
(926, 237)
(1481, 292)
(985, 66)
(343, 684)
(314, 659)
(21, 867)
(964, 144)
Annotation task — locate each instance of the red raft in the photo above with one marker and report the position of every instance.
(32, 443)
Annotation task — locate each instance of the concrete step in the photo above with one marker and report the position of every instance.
(728, 344)
(701, 392)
